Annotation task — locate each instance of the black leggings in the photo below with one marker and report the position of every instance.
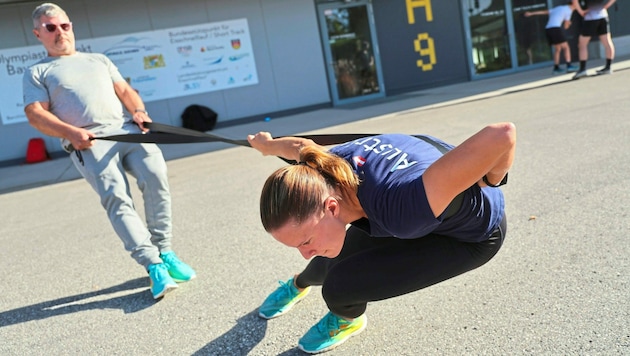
(376, 268)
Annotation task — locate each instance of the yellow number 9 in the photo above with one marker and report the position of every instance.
(429, 50)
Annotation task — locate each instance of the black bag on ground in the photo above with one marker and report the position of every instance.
(199, 118)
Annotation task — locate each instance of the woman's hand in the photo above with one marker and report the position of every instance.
(285, 147)
(261, 142)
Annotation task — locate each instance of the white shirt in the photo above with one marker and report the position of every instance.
(558, 15)
(595, 12)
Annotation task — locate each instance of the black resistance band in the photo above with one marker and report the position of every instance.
(161, 133)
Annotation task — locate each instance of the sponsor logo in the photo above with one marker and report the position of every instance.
(184, 50)
(236, 44)
(238, 57)
(144, 78)
(214, 60)
(210, 48)
(154, 61)
(187, 65)
(192, 86)
(129, 45)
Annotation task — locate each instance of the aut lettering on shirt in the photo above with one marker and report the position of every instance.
(391, 153)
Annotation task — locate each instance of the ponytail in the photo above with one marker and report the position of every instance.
(336, 171)
(294, 193)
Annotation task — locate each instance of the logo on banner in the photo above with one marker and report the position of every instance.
(184, 50)
(214, 60)
(130, 45)
(192, 86)
(143, 79)
(201, 58)
(210, 48)
(154, 61)
(187, 65)
(238, 57)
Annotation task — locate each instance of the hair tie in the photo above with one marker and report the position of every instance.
(302, 163)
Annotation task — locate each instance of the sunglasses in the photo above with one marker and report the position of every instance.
(50, 27)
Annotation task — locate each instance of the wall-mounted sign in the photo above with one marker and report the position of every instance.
(159, 64)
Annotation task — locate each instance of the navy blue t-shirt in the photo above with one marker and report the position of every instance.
(392, 193)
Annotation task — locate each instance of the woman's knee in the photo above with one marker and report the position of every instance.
(342, 302)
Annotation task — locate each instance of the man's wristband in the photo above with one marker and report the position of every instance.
(141, 110)
(502, 182)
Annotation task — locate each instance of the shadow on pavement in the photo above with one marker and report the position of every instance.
(293, 352)
(129, 303)
(248, 332)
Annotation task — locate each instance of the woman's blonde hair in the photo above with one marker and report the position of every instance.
(296, 192)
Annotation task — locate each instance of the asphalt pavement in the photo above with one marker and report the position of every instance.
(559, 286)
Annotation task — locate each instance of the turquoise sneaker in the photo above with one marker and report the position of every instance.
(161, 282)
(282, 300)
(558, 71)
(571, 68)
(330, 332)
(179, 271)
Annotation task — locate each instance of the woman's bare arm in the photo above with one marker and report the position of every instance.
(285, 147)
(490, 153)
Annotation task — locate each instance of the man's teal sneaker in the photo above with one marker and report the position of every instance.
(557, 71)
(161, 281)
(282, 300)
(330, 332)
(178, 270)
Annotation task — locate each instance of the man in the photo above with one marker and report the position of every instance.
(559, 20)
(595, 24)
(79, 96)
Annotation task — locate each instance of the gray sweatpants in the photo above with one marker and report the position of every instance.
(104, 167)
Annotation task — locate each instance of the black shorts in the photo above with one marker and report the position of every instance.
(555, 36)
(593, 28)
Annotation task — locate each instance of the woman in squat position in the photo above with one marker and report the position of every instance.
(420, 211)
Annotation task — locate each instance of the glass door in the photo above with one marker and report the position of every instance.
(353, 63)
(500, 37)
(489, 37)
(531, 40)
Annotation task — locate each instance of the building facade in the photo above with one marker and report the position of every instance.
(247, 59)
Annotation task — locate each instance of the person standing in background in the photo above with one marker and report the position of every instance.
(595, 23)
(559, 20)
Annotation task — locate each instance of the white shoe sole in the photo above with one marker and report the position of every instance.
(287, 309)
(169, 288)
(357, 332)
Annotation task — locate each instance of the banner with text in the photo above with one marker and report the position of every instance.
(159, 64)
